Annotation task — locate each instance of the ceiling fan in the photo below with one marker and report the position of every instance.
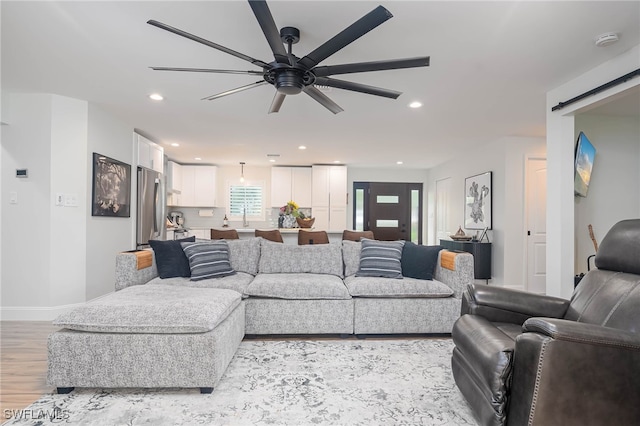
(290, 74)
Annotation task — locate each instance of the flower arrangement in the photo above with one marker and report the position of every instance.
(290, 211)
(291, 208)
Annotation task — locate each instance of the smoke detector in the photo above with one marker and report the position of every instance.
(606, 39)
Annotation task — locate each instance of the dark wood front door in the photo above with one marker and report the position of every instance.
(393, 211)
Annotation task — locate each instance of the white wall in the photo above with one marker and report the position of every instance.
(54, 257)
(506, 159)
(106, 236)
(26, 237)
(560, 146)
(612, 194)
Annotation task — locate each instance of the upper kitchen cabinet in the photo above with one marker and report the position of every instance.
(329, 197)
(174, 183)
(198, 187)
(150, 154)
(291, 183)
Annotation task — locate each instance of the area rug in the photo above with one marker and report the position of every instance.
(294, 382)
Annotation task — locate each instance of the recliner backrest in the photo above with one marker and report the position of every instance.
(610, 295)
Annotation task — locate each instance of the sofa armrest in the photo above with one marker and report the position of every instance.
(458, 274)
(566, 372)
(130, 271)
(498, 304)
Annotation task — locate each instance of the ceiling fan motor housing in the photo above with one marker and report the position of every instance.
(290, 80)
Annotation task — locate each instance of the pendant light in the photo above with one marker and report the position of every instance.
(242, 171)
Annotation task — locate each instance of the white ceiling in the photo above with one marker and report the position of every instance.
(491, 66)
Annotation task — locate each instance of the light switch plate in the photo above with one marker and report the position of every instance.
(13, 197)
(59, 199)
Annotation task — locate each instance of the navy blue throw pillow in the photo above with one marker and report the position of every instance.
(170, 258)
(419, 261)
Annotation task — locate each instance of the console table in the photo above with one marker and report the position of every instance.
(481, 255)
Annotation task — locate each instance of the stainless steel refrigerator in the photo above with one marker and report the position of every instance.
(150, 223)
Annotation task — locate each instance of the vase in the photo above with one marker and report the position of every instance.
(288, 221)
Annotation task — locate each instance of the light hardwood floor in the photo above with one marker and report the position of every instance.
(23, 363)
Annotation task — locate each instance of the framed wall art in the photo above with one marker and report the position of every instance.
(477, 205)
(111, 194)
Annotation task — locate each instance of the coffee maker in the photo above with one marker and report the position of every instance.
(176, 218)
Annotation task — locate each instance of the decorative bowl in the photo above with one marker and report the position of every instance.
(305, 223)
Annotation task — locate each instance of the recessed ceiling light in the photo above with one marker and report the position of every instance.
(175, 144)
(156, 97)
(336, 161)
(271, 160)
(399, 162)
(198, 159)
(415, 104)
(302, 147)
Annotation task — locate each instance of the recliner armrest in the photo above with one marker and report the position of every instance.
(567, 372)
(580, 332)
(498, 304)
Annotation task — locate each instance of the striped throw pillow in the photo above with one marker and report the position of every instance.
(380, 259)
(208, 260)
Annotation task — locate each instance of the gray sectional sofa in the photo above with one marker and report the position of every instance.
(313, 289)
(183, 332)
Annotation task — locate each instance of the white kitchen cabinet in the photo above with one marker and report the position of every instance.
(174, 183)
(291, 183)
(329, 197)
(202, 234)
(198, 186)
(150, 154)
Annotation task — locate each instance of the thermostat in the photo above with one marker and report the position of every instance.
(22, 173)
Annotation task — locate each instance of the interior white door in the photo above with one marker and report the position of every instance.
(536, 222)
(443, 197)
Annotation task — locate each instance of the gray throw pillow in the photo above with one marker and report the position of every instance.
(380, 259)
(208, 260)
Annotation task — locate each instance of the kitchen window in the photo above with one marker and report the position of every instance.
(246, 197)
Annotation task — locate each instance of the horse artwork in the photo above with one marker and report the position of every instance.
(478, 201)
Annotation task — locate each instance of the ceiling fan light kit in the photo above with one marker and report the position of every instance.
(291, 75)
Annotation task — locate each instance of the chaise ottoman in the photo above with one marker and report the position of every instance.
(147, 336)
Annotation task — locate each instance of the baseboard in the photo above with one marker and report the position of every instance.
(37, 313)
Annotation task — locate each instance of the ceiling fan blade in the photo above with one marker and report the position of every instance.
(208, 43)
(393, 64)
(236, 90)
(278, 99)
(357, 87)
(206, 70)
(323, 99)
(353, 32)
(268, 25)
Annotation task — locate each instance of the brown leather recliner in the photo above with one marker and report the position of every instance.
(528, 359)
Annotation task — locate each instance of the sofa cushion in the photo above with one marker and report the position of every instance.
(380, 259)
(287, 258)
(244, 255)
(237, 282)
(298, 286)
(389, 287)
(351, 256)
(170, 259)
(208, 260)
(160, 309)
(419, 261)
